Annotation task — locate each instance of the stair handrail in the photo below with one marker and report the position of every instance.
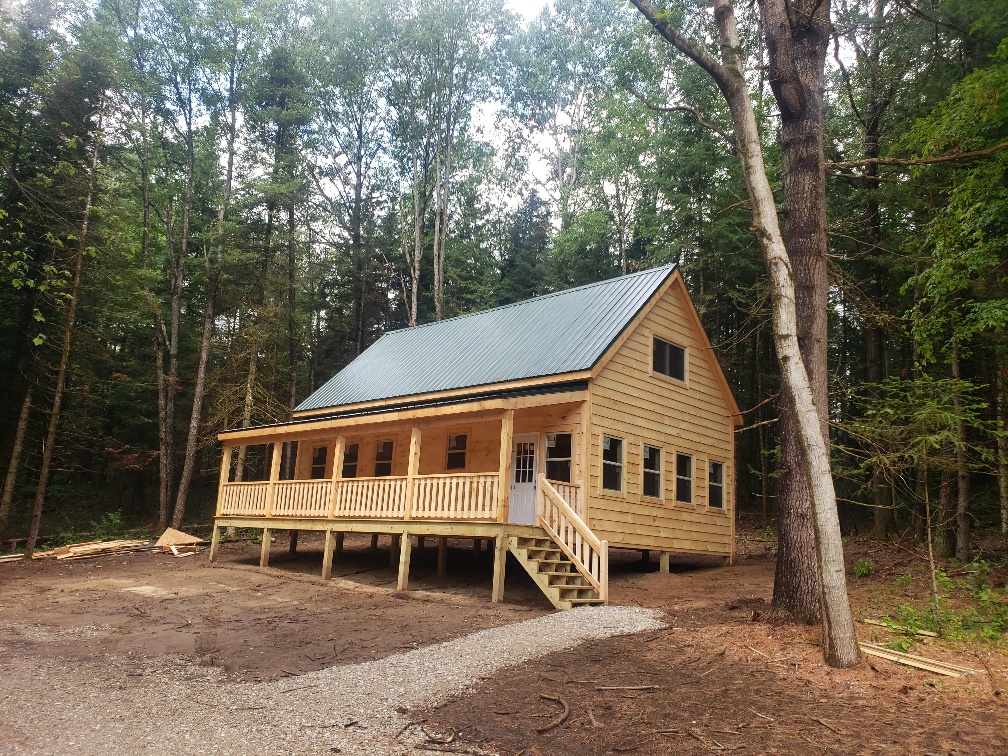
(566, 528)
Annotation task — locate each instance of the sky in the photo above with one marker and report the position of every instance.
(527, 9)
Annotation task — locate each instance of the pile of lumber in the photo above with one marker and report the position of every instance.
(920, 662)
(92, 549)
(11, 558)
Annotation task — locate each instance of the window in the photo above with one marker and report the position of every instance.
(652, 472)
(558, 456)
(684, 478)
(318, 460)
(383, 459)
(456, 452)
(669, 359)
(350, 454)
(612, 463)
(715, 485)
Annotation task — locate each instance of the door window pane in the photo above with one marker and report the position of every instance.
(524, 469)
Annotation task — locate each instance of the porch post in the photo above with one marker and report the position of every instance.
(411, 472)
(214, 542)
(327, 555)
(500, 559)
(337, 473)
(442, 555)
(504, 474)
(404, 557)
(225, 473)
(264, 552)
(274, 477)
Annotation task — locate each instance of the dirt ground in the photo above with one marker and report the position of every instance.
(721, 677)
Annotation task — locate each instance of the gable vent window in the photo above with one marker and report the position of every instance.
(383, 459)
(456, 452)
(318, 460)
(612, 463)
(558, 456)
(652, 472)
(350, 454)
(715, 485)
(684, 478)
(669, 359)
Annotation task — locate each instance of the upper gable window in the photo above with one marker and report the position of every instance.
(668, 359)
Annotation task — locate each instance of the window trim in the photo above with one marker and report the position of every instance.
(724, 498)
(691, 479)
(603, 462)
(312, 466)
(388, 462)
(465, 452)
(684, 381)
(660, 471)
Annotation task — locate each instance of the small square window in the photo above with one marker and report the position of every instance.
(652, 472)
(350, 454)
(612, 463)
(558, 456)
(456, 452)
(684, 478)
(318, 462)
(383, 459)
(668, 359)
(715, 485)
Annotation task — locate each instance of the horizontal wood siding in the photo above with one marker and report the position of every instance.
(630, 402)
(482, 447)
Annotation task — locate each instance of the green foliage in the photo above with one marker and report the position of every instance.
(108, 527)
(863, 567)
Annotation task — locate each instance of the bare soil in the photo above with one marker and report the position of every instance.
(725, 675)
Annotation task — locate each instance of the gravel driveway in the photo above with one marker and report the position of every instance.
(135, 704)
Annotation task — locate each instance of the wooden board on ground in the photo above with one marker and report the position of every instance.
(172, 537)
(920, 662)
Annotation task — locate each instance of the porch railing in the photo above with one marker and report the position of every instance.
(302, 498)
(471, 496)
(571, 493)
(243, 499)
(589, 554)
(371, 497)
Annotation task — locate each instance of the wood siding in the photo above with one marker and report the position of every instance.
(694, 417)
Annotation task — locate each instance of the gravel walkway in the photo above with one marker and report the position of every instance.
(137, 704)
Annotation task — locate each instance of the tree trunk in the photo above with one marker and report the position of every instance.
(839, 642)
(50, 440)
(963, 550)
(166, 449)
(247, 412)
(941, 530)
(884, 513)
(1002, 441)
(292, 333)
(198, 391)
(15, 457)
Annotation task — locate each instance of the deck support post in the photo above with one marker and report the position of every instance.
(339, 546)
(420, 542)
(504, 470)
(645, 556)
(374, 540)
(663, 562)
(292, 548)
(214, 542)
(395, 543)
(404, 558)
(264, 553)
(500, 559)
(442, 555)
(327, 555)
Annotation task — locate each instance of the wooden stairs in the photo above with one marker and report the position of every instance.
(554, 573)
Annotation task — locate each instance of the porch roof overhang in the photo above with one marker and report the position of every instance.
(448, 408)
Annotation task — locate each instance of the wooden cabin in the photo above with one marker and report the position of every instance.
(557, 427)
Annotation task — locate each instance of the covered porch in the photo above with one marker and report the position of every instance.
(501, 473)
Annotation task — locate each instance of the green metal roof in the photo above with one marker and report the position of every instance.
(564, 332)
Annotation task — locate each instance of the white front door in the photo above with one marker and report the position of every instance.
(524, 468)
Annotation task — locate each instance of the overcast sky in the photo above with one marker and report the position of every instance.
(526, 8)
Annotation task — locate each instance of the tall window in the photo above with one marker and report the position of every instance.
(456, 452)
(558, 456)
(669, 359)
(383, 459)
(350, 454)
(715, 485)
(612, 463)
(652, 472)
(318, 460)
(684, 478)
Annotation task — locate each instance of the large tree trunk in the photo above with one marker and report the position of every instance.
(50, 441)
(884, 513)
(942, 535)
(1002, 441)
(292, 333)
(963, 550)
(839, 642)
(198, 391)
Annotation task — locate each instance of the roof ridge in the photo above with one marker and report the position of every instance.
(530, 299)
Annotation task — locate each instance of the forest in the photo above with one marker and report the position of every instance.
(208, 207)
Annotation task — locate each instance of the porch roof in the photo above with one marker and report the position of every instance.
(564, 332)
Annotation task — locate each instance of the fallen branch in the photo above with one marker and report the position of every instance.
(628, 687)
(563, 717)
(828, 726)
